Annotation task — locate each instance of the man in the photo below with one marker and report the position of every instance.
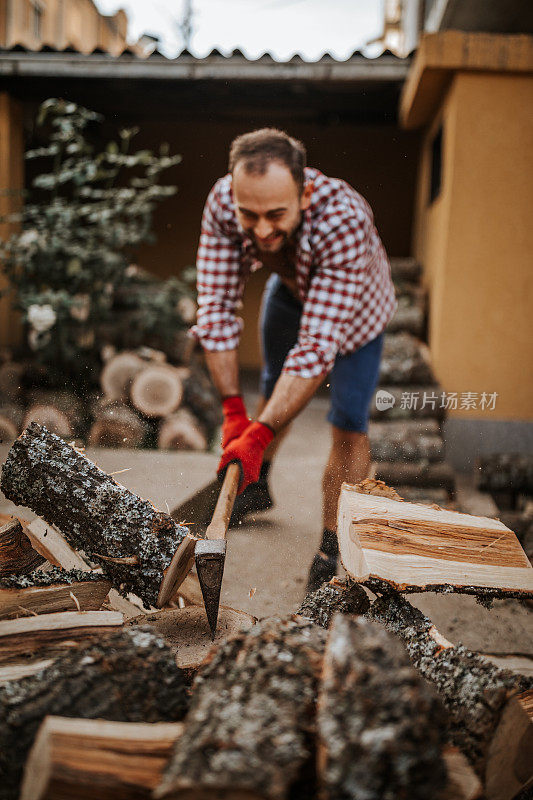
(326, 304)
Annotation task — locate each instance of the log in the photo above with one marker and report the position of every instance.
(337, 596)
(29, 635)
(11, 374)
(405, 359)
(201, 396)
(474, 691)
(157, 390)
(59, 411)
(17, 556)
(251, 713)
(412, 440)
(410, 317)
(95, 514)
(417, 473)
(510, 754)
(381, 727)
(85, 759)
(188, 632)
(408, 402)
(181, 431)
(10, 421)
(116, 425)
(50, 543)
(128, 676)
(405, 269)
(413, 547)
(118, 373)
(506, 471)
(44, 592)
(15, 670)
(462, 783)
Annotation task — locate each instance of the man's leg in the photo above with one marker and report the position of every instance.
(353, 381)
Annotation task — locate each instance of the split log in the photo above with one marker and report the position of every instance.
(49, 542)
(188, 632)
(506, 471)
(85, 759)
(381, 727)
(337, 596)
(190, 590)
(510, 755)
(251, 713)
(17, 556)
(417, 473)
(181, 431)
(16, 670)
(413, 547)
(118, 373)
(410, 317)
(116, 425)
(10, 421)
(60, 412)
(11, 375)
(29, 635)
(408, 402)
(412, 440)
(44, 592)
(157, 390)
(462, 783)
(405, 269)
(129, 676)
(131, 540)
(405, 359)
(474, 691)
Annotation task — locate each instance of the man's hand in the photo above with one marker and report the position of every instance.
(235, 419)
(248, 449)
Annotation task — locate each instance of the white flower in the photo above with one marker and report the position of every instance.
(81, 307)
(41, 318)
(186, 307)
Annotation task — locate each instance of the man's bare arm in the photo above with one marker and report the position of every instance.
(290, 395)
(224, 368)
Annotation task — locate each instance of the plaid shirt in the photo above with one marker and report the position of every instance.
(343, 275)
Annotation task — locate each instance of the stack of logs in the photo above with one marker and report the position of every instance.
(405, 434)
(144, 401)
(354, 696)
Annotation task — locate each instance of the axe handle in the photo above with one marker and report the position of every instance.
(221, 516)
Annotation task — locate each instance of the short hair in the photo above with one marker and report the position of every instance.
(259, 148)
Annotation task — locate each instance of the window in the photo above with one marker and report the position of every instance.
(436, 166)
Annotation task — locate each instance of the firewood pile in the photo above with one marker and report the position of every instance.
(405, 431)
(143, 400)
(356, 695)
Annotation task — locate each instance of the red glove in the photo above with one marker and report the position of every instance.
(235, 419)
(248, 449)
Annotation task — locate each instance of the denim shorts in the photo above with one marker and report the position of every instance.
(354, 376)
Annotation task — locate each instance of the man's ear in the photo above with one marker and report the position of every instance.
(305, 199)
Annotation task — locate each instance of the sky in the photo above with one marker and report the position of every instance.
(281, 27)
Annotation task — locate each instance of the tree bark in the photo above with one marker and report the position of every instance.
(405, 359)
(381, 727)
(412, 440)
(45, 592)
(94, 512)
(344, 597)
(474, 691)
(129, 676)
(251, 713)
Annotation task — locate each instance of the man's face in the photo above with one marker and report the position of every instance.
(269, 206)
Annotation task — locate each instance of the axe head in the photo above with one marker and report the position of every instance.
(210, 556)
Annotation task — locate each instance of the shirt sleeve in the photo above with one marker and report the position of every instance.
(220, 283)
(334, 296)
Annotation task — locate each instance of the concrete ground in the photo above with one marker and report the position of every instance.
(268, 558)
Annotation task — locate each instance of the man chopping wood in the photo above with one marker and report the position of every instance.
(326, 304)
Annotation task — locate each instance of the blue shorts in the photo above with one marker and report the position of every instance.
(354, 377)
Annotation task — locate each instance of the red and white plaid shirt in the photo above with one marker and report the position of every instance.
(343, 275)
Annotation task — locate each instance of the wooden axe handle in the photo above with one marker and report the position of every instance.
(221, 516)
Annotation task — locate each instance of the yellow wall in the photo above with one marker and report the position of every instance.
(476, 242)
